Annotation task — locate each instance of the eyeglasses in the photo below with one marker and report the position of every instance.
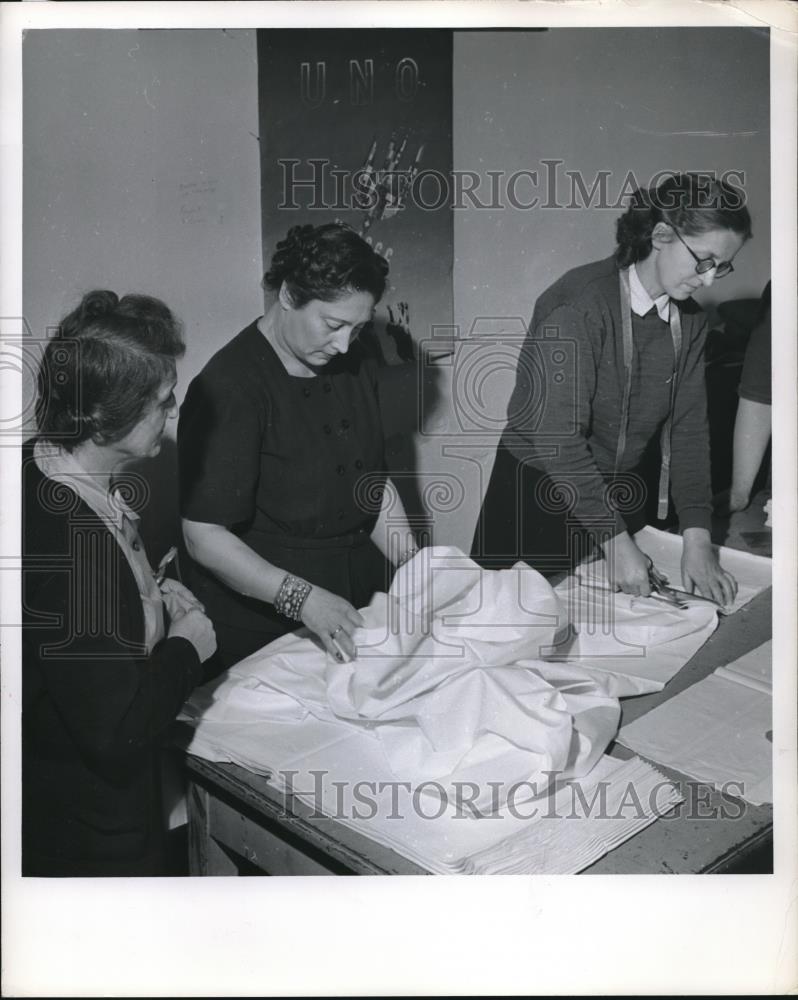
(706, 264)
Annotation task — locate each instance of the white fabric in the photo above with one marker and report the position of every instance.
(341, 773)
(462, 676)
(636, 645)
(465, 674)
(449, 678)
(752, 573)
(718, 731)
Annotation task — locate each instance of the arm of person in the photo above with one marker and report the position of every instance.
(232, 561)
(691, 484)
(701, 570)
(556, 439)
(627, 566)
(751, 437)
(219, 440)
(114, 700)
(392, 533)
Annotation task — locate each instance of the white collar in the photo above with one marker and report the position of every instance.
(642, 301)
(57, 463)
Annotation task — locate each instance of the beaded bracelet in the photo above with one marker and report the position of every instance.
(408, 554)
(291, 596)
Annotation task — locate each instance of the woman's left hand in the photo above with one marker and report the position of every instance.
(701, 570)
(178, 599)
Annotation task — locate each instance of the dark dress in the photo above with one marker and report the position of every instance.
(96, 708)
(294, 467)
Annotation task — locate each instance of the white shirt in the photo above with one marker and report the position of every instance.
(642, 301)
(57, 463)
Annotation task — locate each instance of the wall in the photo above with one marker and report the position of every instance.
(643, 100)
(407, 103)
(141, 173)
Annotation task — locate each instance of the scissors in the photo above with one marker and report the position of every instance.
(661, 590)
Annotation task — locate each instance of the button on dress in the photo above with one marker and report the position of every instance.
(288, 464)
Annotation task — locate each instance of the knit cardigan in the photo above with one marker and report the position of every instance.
(564, 414)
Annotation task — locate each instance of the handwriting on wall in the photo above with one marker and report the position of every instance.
(198, 201)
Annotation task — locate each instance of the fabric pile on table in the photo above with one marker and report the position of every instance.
(471, 686)
(450, 679)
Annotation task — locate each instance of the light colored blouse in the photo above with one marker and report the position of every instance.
(642, 301)
(60, 465)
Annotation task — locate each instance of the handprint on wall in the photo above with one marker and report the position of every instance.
(398, 329)
(380, 193)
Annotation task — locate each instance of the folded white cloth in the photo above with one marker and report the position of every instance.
(580, 827)
(341, 773)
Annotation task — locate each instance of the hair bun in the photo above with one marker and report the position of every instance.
(98, 303)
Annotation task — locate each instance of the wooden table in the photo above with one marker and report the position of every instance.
(239, 823)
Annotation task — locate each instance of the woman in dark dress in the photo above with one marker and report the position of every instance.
(287, 514)
(110, 652)
(614, 363)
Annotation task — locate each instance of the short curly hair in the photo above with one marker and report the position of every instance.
(326, 262)
(104, 366)
(690, 203)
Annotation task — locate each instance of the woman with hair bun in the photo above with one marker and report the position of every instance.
(110, 650)
(613, 364)
(283, 487)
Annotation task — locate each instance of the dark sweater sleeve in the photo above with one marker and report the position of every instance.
(549, 416)
(114, 700)
(691, 485)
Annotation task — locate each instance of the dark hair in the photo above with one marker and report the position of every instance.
(104, 367)
(691, 203)
(326, 262)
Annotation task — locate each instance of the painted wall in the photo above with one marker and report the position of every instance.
(617, 100)
(141, 173)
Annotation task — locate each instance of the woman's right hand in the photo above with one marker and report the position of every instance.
(333, 620)
(195, 626)
(627, 566)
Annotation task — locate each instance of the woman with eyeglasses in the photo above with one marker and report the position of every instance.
(284, 495)
(613, 367)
